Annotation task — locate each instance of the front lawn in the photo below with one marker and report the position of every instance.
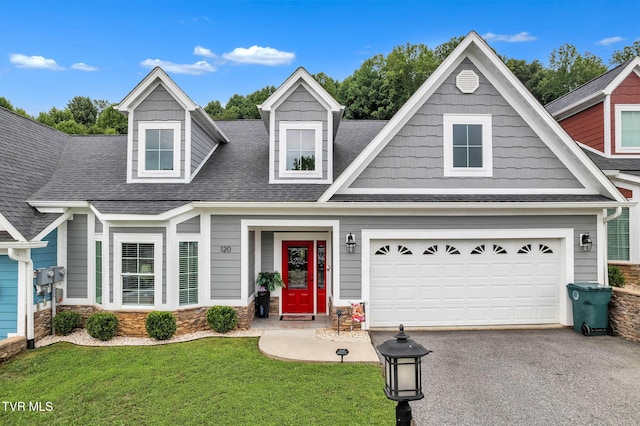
(222, 381)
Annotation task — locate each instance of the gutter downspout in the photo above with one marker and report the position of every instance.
(13, 255)
(605, 220)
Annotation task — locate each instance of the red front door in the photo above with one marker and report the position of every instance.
(298, 272)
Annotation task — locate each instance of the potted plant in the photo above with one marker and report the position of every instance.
(266, 283)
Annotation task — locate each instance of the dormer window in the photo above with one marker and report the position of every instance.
(159, 153)
(628, 128)
(301, 151)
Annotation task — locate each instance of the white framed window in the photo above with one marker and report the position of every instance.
(188, 272)
(300, 149)
(627, 128)
(159, 148)
(468, 145)
(138, 268)
(618, 236)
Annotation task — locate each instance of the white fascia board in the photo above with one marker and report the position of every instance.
(290, 83)
(408, 209)
(149, 83)
(8, 226)
(23, 244)
(118, 217)
(203, 118)
(634, 65)
(583, 169)
(56, 206)
(470, 191)
(55, 224)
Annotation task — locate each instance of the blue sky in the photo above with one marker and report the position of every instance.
(51, 51)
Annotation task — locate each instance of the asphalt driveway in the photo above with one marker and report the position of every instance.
(526, 377)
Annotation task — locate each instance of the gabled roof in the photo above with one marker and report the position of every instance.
(301, 77)
(488, 62)
(158, 76)
(593, 91)
(30, 154)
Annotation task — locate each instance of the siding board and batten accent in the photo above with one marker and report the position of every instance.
(414, 157)
(225, 266)
(77, 257)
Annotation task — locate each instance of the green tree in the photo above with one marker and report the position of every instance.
(214, 109)
(329, 84)
(72, 128)
(4, 102)
(442, 51)
(567, 71)
(362, 92)
(529, 73)
(110, 118)
(54, 116)
(628, 52)
(83, 110)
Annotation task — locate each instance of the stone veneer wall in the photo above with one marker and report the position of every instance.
(41, 324)
(345, 320)
(132, 323)
(12, 346)
(624, 313)
(631, 272)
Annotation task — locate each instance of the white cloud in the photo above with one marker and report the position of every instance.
(259, 55)
(199, 68)
(203, 51)
(81, 66)
(39, 62)
(610, 40)
(510, 38)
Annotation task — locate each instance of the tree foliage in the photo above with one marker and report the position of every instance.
(376, 90)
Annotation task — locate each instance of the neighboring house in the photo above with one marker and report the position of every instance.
(603, 116)
(466, 208)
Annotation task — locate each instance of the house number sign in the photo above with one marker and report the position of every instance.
(225, 249)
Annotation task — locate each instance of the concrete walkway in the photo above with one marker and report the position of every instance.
(305, 345)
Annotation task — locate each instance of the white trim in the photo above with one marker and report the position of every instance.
(129, 102)
(470, 190)
(316, 126)
(143, 126)
(619, 109)
(331, 228)
(488, 63)
(8, 226)
(566, 236)
(156, 240)
(607, 124)
(280, 237)
(448, 121)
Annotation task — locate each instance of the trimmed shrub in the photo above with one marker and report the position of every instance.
(616, 277)
(64, 322)
(161, 325)
(222, 318)
(102, 325)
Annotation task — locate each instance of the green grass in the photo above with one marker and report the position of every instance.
(222, 381)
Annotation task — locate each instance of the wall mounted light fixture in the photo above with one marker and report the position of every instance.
(585, 242)
(351, 242)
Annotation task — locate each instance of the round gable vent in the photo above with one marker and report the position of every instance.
(467, 81)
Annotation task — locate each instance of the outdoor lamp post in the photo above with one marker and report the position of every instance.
(402, 370)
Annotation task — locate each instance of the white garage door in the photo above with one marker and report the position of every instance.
(464, 282)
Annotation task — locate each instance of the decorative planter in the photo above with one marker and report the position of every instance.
(262, 304)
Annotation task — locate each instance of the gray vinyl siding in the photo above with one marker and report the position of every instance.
(585, 264)
(414, 157)
(225, 266)
(98, 226)
(131, 232)
(267, 251)
(302, 106)
(201, 146)
(158, 106)
(252, 260)
(189, 226)
(77, 257)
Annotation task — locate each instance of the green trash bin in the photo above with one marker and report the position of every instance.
(590, 303)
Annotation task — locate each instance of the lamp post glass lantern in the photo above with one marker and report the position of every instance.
(403, 372)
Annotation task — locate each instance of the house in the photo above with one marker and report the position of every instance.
(467, 208)
(603, 116)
